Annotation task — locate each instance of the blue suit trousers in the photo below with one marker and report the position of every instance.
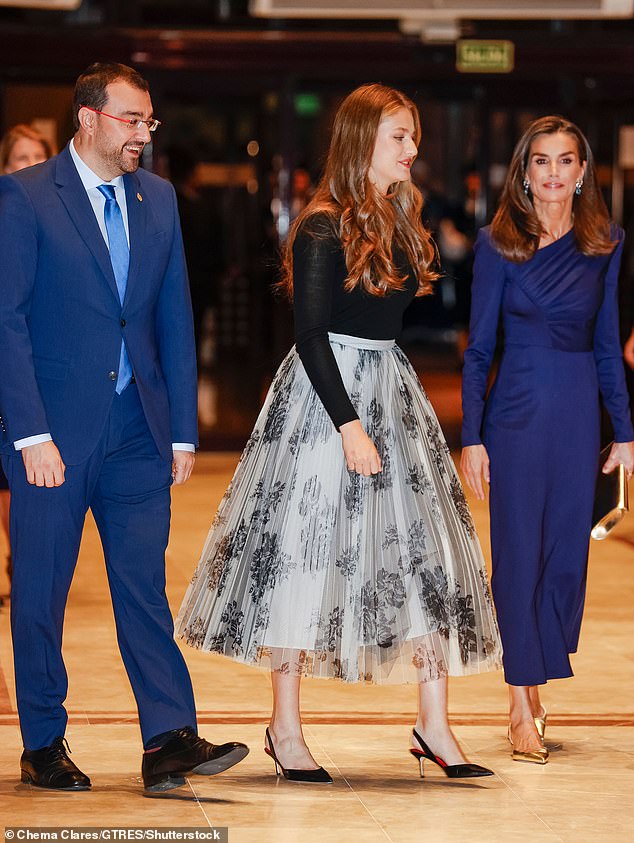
(126, 484)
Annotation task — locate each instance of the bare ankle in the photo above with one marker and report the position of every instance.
(286, 731)
(430, 726)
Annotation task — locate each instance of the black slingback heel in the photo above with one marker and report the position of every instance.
(452, 771)
(318, 776)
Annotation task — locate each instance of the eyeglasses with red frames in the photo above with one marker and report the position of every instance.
(131, 122)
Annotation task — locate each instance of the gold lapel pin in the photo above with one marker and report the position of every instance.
(139, 197)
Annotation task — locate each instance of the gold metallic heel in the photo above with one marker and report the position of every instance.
(540, 723)
(538, 756)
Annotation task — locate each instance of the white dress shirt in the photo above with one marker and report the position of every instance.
(91, 182)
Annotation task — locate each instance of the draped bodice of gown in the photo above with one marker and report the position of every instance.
(553, 299)
(559, 314)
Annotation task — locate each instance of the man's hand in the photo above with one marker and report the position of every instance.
(182, 466)
(43, 464)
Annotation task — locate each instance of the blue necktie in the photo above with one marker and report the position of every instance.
(120, 260)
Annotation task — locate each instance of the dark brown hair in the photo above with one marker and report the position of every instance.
(90, 88)
(368, 223)
(516, 229)
(14, 134)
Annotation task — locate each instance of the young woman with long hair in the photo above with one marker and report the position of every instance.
(548, 267)
(344, 546)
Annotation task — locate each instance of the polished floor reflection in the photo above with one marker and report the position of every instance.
(358, 733)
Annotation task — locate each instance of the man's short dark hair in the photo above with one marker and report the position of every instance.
(90, 88)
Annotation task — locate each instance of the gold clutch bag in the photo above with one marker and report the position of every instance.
(611, 500)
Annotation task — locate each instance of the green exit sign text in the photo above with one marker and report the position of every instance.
(474, 56)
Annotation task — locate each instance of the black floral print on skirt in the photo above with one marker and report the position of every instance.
(312, 569)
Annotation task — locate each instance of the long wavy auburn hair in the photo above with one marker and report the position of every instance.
(516, 229)
(368, 224)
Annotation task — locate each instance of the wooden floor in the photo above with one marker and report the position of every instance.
(359, 733)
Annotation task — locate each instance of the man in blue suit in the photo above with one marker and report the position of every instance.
(98, 402)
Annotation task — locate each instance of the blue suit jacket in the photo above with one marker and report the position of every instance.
(61, 321)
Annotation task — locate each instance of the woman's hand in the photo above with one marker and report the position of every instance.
(359, 450)
(621, 453)
(474, 464)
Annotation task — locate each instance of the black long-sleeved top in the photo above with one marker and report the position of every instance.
(321, 304)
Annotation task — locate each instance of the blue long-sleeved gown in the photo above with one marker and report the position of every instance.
(540, 425)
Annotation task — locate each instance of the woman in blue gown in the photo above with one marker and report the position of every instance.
(547, 267)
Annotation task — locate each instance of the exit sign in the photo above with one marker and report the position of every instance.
(474, 56)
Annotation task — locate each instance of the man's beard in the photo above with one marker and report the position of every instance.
(117, 159)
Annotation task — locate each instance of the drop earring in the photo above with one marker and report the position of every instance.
(526, 185)
(578, 186)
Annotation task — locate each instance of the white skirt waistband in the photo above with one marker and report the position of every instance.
(361, 342)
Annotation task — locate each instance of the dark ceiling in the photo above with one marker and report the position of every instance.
(219, 42)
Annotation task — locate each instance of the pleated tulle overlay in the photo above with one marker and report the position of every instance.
(313, 569)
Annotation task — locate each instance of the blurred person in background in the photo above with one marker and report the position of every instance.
(20, 147)
(202, 235)
(457, 234)
(628, 350)
(548, 266)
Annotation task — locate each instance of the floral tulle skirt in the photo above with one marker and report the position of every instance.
(312, 569)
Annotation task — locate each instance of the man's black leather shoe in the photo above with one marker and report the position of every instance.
(51, 768)
(185, 753)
